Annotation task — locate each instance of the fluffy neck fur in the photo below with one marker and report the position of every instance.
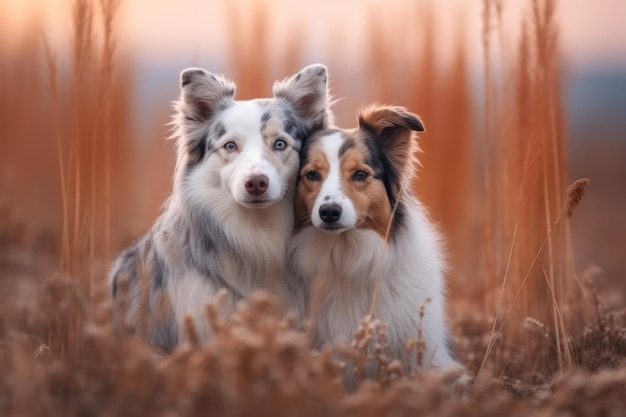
(248, 244)
(343, 270)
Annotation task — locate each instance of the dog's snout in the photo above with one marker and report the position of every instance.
(330, 212)
(257, 184)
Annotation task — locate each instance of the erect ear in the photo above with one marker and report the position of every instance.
(390, 131)
(308, 92)
(204, 93)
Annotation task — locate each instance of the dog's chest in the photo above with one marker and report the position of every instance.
(345, 274)
(256, 263)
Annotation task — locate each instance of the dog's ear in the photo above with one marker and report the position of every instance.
(391, 126)
(387, 121)
(390, 130)
(204, 93)
(308, 92)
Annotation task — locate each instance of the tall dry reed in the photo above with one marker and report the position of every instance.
(525, 171)
(92, 134)
(67, 143)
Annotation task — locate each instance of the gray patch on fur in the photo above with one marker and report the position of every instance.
(125, 266)
(196, 150)
(264, 119)
(347, 144)
(294, 125)
(219, 130)
(158, 271)
(161, 328)
(451, 348)
(187, 76)
(164, 332)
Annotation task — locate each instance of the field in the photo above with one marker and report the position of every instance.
(541, 333)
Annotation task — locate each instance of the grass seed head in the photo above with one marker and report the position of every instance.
(575, 193)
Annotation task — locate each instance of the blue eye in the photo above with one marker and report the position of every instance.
(312, 175)
(360, 176)
(280, 145)
(230, 146)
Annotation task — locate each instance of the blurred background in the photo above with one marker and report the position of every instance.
(518, 97)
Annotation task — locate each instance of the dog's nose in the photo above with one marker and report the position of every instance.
(330, 212)
(257, 184)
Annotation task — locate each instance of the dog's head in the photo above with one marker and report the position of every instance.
(249, 149)
(353, 178)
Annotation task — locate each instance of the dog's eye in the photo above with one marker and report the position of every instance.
(360, 176)
(230, 146)
(280, 144)
(312, 175)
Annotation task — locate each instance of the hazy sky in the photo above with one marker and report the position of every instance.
(593, 33)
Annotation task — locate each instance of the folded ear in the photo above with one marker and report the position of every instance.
(204, 93)
(385, 120)
(389, 131)
(308, 92)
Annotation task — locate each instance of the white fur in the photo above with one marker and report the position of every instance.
(331, 191)
(244, 120)
(260, 234)
(344, 268)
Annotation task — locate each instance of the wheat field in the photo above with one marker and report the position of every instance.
(77, 184)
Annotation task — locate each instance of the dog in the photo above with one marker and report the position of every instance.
(230, 215)
(360, 231)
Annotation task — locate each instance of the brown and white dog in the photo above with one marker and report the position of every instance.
(358, 227)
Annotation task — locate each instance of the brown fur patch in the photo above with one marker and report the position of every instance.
(308, 190)
(368, 196)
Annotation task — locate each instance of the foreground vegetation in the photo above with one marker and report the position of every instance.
(55, 360)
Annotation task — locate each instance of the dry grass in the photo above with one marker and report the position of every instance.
(524, 173)
(257, 365)
(536, 333)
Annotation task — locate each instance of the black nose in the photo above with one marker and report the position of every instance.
(330, 212)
